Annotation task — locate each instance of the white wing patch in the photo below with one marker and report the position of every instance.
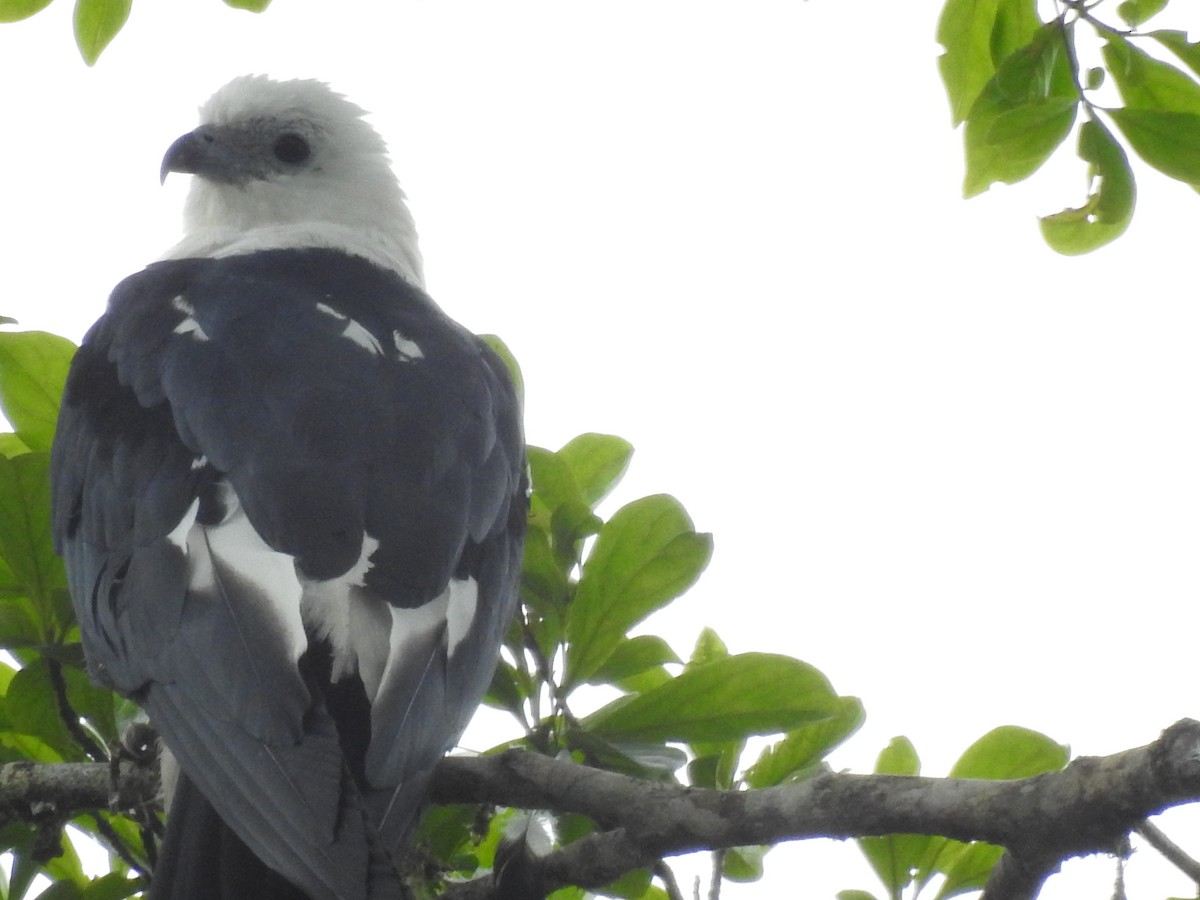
(407, 349)
(460, 611)
(355, 623)
(235, 545)
(445, 619)
(353, 331)
(179, 534)
(189, 325)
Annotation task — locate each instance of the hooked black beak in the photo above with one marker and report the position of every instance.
(201, 152)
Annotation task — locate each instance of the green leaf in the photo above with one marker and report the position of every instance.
(724, 700)
(597, 461)
(571, 523)
(1111, 197)
(113, 886)
(19, 625)
(33, 370)
(498, 346)
(1177, 43)
(1135, 12)
(634, 756)
(445, 829)
(249, 5)
(899, 757)
(95, 704)
(62, 890)
(897, 858)
(744, 864)
(645, 555)
(66, 866)
(1169, 141)
(855, 895)
(96, 24)
(1017, 23)
(1024, 113)
(123, 828)
(709, 647)
(716, 762)
(25, 543)
(801, 749)
(1148, 83)
(1011, 752)
(1009, 145)
(553, 484)
(31, 708)
(11, 445)
(633, 656)
(1003, 753)
(504, 692)
(965, 31)
(631, 885)
(571, 827)
(544, 580)
(966, 867)
(15, 10)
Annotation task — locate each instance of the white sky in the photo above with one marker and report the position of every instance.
(956, 472)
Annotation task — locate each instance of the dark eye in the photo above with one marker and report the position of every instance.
(291, 149)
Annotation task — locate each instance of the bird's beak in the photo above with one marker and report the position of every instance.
(205, 152)
(187, 154)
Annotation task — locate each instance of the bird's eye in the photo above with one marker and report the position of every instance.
(291, 149)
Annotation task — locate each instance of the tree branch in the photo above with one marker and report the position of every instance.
(1089, 807)
(28, 790)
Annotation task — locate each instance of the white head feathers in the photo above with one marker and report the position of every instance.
(291, 164)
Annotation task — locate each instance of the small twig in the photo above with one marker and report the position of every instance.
(117, 844)
(1173, 852)
(1018, 878)
(718, 872)
(68, 714)
(667, 877)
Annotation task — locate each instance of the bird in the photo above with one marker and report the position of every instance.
(290, 493)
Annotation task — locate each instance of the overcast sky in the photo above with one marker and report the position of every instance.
(956, 472)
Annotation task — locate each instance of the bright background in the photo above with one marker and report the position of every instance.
(954, 471)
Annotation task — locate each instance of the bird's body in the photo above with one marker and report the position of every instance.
(290, 495)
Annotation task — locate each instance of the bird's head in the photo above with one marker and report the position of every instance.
(290, 163)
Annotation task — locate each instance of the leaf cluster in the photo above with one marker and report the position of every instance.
(587, 586)
(49, 710)
(947, 868)
(97, 22)
(1020, 85)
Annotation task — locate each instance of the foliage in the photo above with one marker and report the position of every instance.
(589, 583)
(913, 861)
(97, 22)
(1022, 84)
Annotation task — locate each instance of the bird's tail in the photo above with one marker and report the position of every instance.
(202, 859)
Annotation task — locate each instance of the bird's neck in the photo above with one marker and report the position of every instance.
(230, 221)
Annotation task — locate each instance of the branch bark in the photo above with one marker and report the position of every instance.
(1089, 807)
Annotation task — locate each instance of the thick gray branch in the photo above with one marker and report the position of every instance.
(40, 791)
(1089, 807)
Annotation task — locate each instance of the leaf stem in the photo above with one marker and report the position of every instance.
(68, 714)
